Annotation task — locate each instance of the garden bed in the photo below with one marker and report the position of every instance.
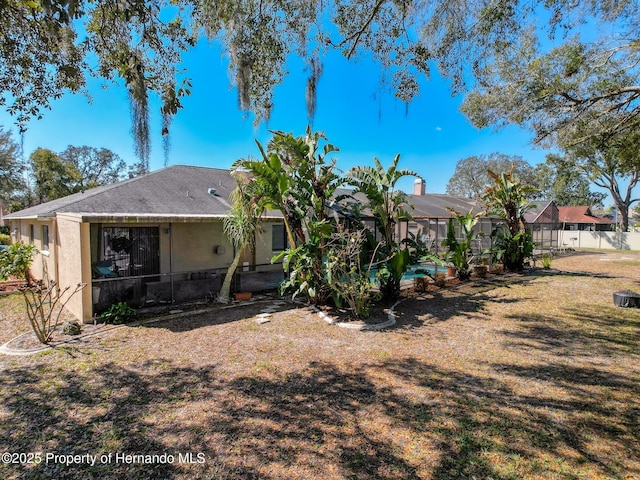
(11, 285)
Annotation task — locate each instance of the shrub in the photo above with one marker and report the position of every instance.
(421, 284)
(5, 239)
(546, 261)
(118, 313)
(508, 198)
(459, 252)
(44, 300)
(348, 273)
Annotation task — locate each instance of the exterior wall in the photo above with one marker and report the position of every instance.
(74, 263)
(600, 240)
(186, 247)
(194, 257)
(194, 246)
(45, 261)
(264, 248)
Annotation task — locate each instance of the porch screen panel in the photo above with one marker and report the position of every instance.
(131, 250)
(145, 250)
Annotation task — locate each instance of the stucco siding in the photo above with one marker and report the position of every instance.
(264, 247)
(194, 246)
(45, 260)
(74, 262)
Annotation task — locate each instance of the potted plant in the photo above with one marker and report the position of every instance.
(452, 245)
(242, 296)
(480, 271)
(497, 268)
(439, 279)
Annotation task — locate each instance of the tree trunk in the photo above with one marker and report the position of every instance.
(623, 209)
(223, 296)
(624, 218)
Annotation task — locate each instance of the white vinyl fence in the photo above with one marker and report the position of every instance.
(603, 240)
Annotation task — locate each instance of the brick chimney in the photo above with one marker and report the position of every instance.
(419, 186)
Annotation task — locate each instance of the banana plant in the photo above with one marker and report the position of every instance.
(508, 198)
(387, 206)
(296, 177)
(459, 252)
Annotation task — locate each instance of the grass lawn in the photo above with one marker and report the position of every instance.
(525, 377)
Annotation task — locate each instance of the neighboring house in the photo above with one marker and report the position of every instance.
(581, 218)
(546, 218)
(153, 239)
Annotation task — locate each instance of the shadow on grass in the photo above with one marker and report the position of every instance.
(401, 418)
(604, 331)
(468, 299)
(553, 272)
(216, 316)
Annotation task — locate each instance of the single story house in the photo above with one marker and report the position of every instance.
(159, 239)
(581, 218)
(152, 239)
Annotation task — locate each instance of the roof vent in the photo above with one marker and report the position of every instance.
(212, 191)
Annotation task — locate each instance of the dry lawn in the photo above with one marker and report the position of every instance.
(522, 377)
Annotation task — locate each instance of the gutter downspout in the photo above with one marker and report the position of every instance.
(55, 255)
(171, 260)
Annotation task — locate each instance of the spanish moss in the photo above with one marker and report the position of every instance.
(166, 137)
(315, 67)
(139, 105)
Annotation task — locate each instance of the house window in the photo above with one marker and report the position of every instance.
(131, 251)
(45, 238)
(32, 235)
(278, 238)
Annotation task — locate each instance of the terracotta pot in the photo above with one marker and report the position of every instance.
(451, 271)
(420, 284)
(480, 271)
(497, 268)
(242, 296)
(439, 279)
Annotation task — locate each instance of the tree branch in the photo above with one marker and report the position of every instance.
(356, 36)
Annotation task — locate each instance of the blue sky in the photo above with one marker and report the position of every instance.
(355, 116)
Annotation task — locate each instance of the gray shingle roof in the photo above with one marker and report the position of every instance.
(429, 205)
(182, 191)
(175, 191)
(433, 205)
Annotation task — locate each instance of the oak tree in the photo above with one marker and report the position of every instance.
(559, 180)
(471, 177)
(11, 166)
(52, 47)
